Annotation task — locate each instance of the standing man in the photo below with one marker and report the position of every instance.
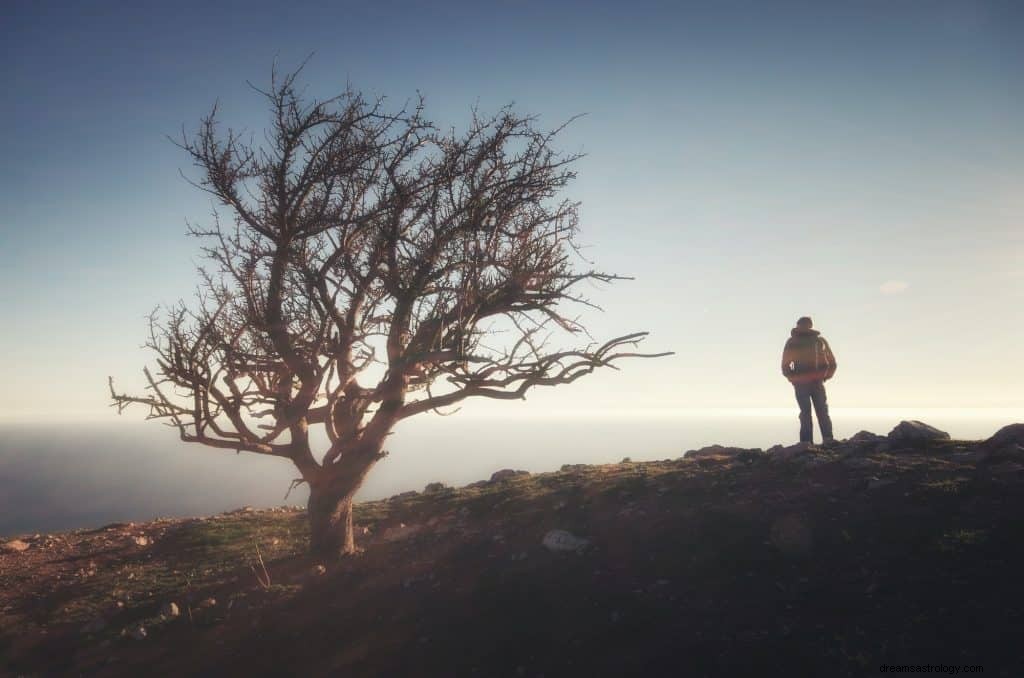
(807, 362)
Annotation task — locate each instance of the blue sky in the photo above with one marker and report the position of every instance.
(747, 162)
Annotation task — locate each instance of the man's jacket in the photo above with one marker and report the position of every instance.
(807, 357)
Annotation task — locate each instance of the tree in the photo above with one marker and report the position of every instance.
(374, 268)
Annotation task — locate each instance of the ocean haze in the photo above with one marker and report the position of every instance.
(86, 474)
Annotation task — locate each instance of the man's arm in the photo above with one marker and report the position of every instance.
(787, 359)
(830, 359)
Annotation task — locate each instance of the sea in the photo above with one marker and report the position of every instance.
(60, 476)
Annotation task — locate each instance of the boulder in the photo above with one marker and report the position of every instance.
(433, 488)
(1006, 437)
(916, 431)
(507, 474)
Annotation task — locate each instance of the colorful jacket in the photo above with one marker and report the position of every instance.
(807, 357)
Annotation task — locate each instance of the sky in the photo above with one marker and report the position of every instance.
(746, 162)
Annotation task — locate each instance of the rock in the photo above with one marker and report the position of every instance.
(1007, 437)
(319, 570)
(170, 610)
(865, 437)
(143, 540)
(16, 546)
(562, 540)
(626, 460)
(791, 452)
(95, 625)
(916, 431)
(507, 474)
(573, 467)
(207, 603)
(406, 495)
(433, 488)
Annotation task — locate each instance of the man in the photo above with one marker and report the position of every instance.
(807, 362)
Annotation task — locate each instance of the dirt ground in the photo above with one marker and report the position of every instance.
(821, 562)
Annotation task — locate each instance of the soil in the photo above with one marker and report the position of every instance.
(820, 562)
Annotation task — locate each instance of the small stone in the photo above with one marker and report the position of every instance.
(170, 610)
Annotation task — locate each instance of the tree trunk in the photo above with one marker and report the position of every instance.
(331, 494)
(330, 522)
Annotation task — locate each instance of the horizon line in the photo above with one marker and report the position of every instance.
(909, 411)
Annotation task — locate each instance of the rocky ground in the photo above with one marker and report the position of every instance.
(906, 549)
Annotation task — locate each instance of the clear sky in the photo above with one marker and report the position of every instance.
(747, 162)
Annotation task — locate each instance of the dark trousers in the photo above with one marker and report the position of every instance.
(806, 394)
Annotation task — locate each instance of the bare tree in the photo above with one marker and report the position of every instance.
(375, 268)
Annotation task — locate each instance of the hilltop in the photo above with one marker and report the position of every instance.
(901, 550)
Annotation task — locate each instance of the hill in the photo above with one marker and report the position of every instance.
(903, 550)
